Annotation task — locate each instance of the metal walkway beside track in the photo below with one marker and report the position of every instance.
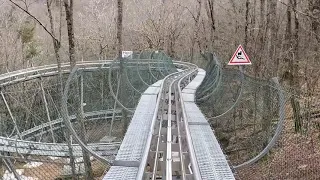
(126, 164)
(211, 161)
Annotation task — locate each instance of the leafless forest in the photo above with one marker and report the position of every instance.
(282, 38)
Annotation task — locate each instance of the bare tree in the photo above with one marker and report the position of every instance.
(247, 24)
(291, 39)
(212, 24)
(57, 46)
(314, 8)
(195, 35)
(119, 27)
(122, 79)
(272, 31)
(261, 38)
(294, 69)
(68, 4)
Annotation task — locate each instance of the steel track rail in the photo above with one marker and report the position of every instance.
(143, 162)
(169, 135)
(179, 128)
(193, 159)
(52, 70)
(155, 165)
(179, 76)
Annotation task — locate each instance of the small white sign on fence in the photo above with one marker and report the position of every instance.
(127, 54)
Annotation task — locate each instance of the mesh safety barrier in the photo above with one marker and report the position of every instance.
(76, 133)
(255, 124)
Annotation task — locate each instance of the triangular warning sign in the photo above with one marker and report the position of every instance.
(240, 57)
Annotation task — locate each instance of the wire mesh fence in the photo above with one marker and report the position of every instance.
(39, 140)
(256, 127)
(252, 118)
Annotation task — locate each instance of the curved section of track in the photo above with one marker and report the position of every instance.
(22, 144)
(168, 137)
(136, 155)
(169, 148)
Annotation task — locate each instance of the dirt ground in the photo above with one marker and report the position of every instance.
(51, 171)
(296, 157)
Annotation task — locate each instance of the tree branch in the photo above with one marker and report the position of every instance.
(193, 16)
(27, 12)
(294, 9)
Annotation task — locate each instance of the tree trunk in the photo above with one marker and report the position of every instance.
(122, 94)
(195, 35)
(291, 40)
(272, 33)
(119, 28)
(266, 118)
(56, 47)
(294, 68)
(247, 25)
(68, 4)
(210, 14)
(314, 8)
(259, 64)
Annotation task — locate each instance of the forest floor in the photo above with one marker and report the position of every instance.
(295, 157)
(52, 171)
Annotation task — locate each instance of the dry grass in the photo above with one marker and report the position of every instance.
(45, 171)
(297, 157)
(53, 170)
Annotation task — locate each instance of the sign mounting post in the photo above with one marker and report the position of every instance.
(240, 58)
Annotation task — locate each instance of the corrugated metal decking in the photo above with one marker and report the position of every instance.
(211, 160)
(134, 142)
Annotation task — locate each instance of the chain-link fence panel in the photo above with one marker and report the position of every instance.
(47, 133)
(256, 127)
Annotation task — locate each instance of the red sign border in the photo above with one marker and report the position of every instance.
(248, 62)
